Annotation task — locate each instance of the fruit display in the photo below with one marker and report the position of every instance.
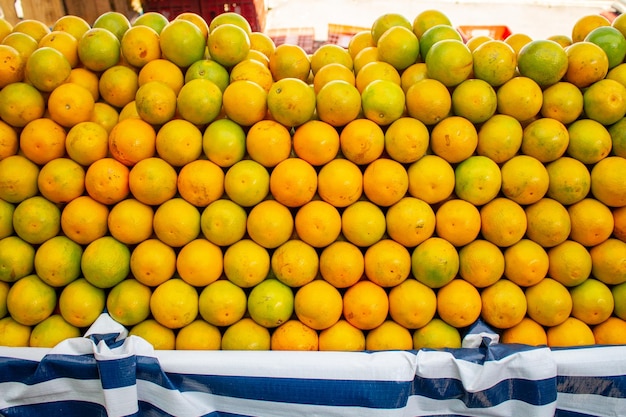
(209, 189)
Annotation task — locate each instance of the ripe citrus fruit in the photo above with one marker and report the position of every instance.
(295, 263)
(222, 303)
(318, 304)
(365, 305)
(569, 263)
(478, 180)
(363, 223)
(435, 262)
(81, 303)
(182, 42)
(543, 61)
(129, 302)
(159, 336)
(291, 101)
(341, 336)
(458, 222)
(57, 261)
(410, 221)
(199, 262)
(503, 304)
(176, 222)
(458, 303)
(198, 335)
(51, 331)
(293, 182)
(549, 302)
(389, 336)
(246, 334)
(174, 304)
(152, 262)
(270, 303)
(341, 263)
(270, 224)
(527, 332)
(318, 223)
(525, 179)
(449, 61)
(105, 262)
(495, 62)
(412, 304)
(99, 49)
(562, 101)
(431, 178)
(16, 259)
(223, 222)
(605, 183)
(526, 262)
(481, 263)
(436, 334)
(572, 332)
(30, 300)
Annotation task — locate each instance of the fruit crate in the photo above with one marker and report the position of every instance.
(253, 10)
(497, 32)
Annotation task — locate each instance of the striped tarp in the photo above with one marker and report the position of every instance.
(108, 373)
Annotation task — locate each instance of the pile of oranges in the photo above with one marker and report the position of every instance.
(209, 189)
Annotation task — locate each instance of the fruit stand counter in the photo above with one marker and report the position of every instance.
(110, 373)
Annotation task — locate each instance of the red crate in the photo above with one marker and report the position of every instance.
(253, 10)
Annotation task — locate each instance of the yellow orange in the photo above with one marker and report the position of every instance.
(176, 222)
(525, 179)
(481, 263)
(84, 219)
(174, 304)
(526, 262)
(246, 263)
(519, 97)
(363, 223)
(200, 262)
(385, 182)
(268, 143)
(341, 336)
(245, 102)
(42, 140)
(140, 45)
(527, 332)
(118, 85)
(431, 178)
(549, 302)
(458, 221)
(131, 141)
(569, 263)
(200, 182)
(365, 305)
(152, 262)
(20, 103)
(295, 263)
(344, 192)
(338, 103)
(70, 104)
(572, 332)
(341, 263)
(362, 141)
(548, 222)
(223, 222)
(503, 304)
(435, 262)
(289, 61)
(270, 224)
(19, 178)
(410, 221)
(412, 304)
(222, 303)
(495, 62)
(318, 304)
(454, 139)
(389, 336)
(458, 303)
(545, 139)
(129, 302)
(294, 335)
(318, 223)
(61, 180)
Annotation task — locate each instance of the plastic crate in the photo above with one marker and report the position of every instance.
(253, 10)
(341, 34)
(495, 32)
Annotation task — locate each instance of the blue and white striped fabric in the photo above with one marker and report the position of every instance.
(110, 373)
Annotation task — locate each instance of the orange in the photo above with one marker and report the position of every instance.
(206, 69)
(70, 104)
(268, 143)
(562, 101)
(569, 263)
(458, 303)
(80, 303)
(436, 334)
(340, 182)
(387, 263)
(607, 261)
(362, 141)
(365, 305)
(587, 63)
(478, 180)
(222, 303)
(289, 61)
(413, 74)
(118, 85)
(99, 49)
(178, 142)
(619, 220)
(270, 224)
(6, 219)
(252, 70)
(389, 336)
(270, 303)
(410, 221)
(386, 21)
(129, 302)
(176, 222)
(294, 335)
(495, 62)
(36, 219)
(20, 103)
(435, 262)
(140, 45)
(182, 42)
(503, 304)
(115, 22)
(42, 140)
(130, 221)
(475, 100)
(431, 178)
(16, 259)
(32, 27)
(105, 262)
(246, 334)
(341, 336)
(526, 262)
(318, 223)
(406, 140)
(610, 332)
(232, 18)
(52, 331)
(246, 263)
(30, 300)
(200, 182)
(174, 304)
(458, 222)
(198, 335)
(363, 223)
(617, 73)
(159, 336)
(385, 182)
(74, 25)
(295, 263)
(24, 44)
(318, 304)
(223, 222)
(63, 42)
(261, 42)
(543, 61)
(606, 186)
(561, 39)
(358, 41)
(19, 178)
(106, 115)
(364, 57)
(86, 142)
(592, 301)
(545, 139)
(197, 20)
(338, 103)
(454, 139)
(61, 180)
(428, 101)
(412, 304)
(86, 78)
(152, 262)
(199, 262)
(330, 53)
(162, 70)
(247, 183)
(333, 71)
(549, 302)
(245, 102)
(341, 264)
(131, 141)
(9, 142)
(605, 101)
(436, 33)
(591, 222)
(525, 179)
(589, 141)
(481, 263)
(548, 222)
(526, 332)
(12, 69)
(428, 18)
(572, 332)
(84, 219)
(291, 102)
(449, 61)
(612, 41)
(156, 102)
(398, 46)
(520, 97)
(228, 44)
(586, 24)
(618, 138)
(383, 101)
(224, 142)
